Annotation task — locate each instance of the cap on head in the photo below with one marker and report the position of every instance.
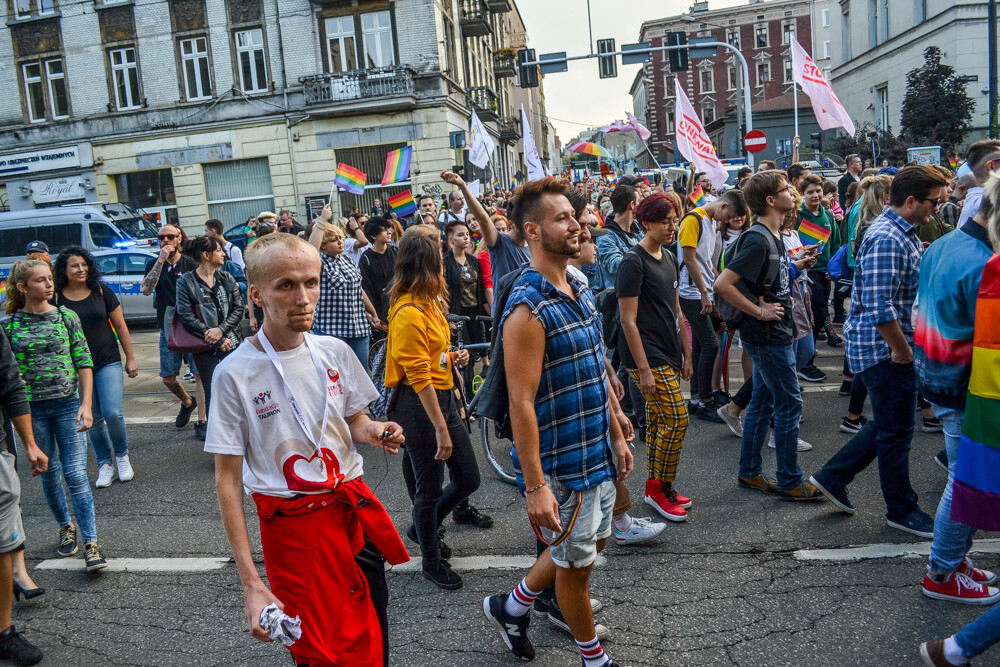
(37, 246)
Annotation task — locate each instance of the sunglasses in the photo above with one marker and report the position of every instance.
(167, 237)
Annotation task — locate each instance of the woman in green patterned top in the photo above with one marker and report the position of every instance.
(58, 373)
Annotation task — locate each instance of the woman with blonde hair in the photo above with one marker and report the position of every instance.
(419, 365)
(873, 195)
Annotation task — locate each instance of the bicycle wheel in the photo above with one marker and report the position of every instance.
(498, 451)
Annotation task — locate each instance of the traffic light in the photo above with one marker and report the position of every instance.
(679, 57)
(608, 65)
(817, 138)
(527, 75)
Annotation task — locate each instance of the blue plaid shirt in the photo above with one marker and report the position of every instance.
(574, 420)
(886, 278)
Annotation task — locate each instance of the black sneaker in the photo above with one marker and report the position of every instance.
(845, 387)
(469, 515)
(67, 542)
(853, 425)
(14, 647)
(707, 412)
(445, 550)
(513, 629)
(812, 374)
(184, 416)
(200, 430)
(720, 398)
(836, 496)
(441, 575)
(932, 425)
(541, 605)
(916, 523)
(819, 336)
(93, 558)
(556, 618)
(833, 340)
(941, 458)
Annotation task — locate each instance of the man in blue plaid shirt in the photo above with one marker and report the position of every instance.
(878, 336)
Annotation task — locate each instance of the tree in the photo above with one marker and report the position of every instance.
(887, 145)
(936, 109)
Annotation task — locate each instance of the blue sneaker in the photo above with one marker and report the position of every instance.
(513, 630)
(836, 496)
(916, 523)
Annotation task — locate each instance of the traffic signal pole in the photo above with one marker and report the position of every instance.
(550, 60)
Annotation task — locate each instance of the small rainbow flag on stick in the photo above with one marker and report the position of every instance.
(350, 179)
(513, 183)
(403, 203)
(496, 184)
(397, 165)
(697, 197)
(811, 233)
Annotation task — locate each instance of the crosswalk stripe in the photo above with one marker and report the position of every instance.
(873, 551)
(140, 565)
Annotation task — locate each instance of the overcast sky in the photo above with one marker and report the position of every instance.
(578, 99)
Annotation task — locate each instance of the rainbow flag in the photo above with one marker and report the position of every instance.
(350, 179)
(513, 183)
(976, 495)
(403, 203)
(397, 165)
(953, 162)
(496, 184)
(697, 197)
(811, 233)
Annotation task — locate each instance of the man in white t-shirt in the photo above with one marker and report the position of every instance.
(288, 407)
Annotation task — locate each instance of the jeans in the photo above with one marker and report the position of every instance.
(360, 346)
(893, 392)
(775, 392)
(952, 540)
(805, 349)
(109, 423)
(981, 634)
(424, 474)
(54, 424)
(704, 348)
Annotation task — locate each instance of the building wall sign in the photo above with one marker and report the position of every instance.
(31, 162)
(58, 189)
(191, 155)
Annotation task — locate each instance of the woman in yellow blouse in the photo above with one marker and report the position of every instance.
(419, 363)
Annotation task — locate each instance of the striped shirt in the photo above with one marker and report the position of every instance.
(571, 404)
(886, 279)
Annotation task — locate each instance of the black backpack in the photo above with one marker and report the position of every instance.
(729, 313)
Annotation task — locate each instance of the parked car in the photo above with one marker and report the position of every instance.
(237, 235)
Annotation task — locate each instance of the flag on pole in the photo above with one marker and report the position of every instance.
(397, 165)
(350, 179)
(830, 113)
(403, 203)
(496, 184)
(513, 183)
(693, 142)
(639, 128)
(481, 144)
(617, 126)
(535, 169)
(697, 197)
(811, 233)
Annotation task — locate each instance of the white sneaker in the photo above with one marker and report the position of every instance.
(641, 530)
(125, 472)
(105, 476)
(803, 445)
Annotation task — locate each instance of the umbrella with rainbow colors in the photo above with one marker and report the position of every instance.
(589, 148)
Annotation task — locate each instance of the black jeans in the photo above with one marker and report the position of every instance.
(887, 437)
(704, 348)
(424, 475)
(473, 331)
(820, 298)
(206, 362)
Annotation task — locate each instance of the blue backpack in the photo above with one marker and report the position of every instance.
(837, 266)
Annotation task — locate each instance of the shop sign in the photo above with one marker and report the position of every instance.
(54, 190)
(30, 162)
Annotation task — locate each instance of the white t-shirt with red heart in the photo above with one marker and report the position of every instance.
(251, 417)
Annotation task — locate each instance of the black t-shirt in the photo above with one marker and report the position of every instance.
(376, 274)
(165, 292)
(757, 257)
(654, 281)
(93, 313)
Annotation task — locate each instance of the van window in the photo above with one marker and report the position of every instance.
(104, 235)
(13, 241)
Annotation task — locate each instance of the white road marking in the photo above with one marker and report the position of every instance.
(872, 551)
(140, 565)
(132, 421)
(470, 563)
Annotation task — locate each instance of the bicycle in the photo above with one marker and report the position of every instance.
(496, 448)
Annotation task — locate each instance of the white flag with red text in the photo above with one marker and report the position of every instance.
(693, 142)
(830, 113)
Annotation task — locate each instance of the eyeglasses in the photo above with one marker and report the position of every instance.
(167, 237)
(936, 202)
(787, 188)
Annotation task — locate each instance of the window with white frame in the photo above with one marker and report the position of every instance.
(125, 78)
(376, 33)
(670, 118)
(882, 95)
(763, 73)
(760, 36)
(341, 54)
(55, 79)
(668, 86)
(34, 91)
(883, 21)
(250, 60)
(733, 37)
(826, 18)
(788, 32)
(826, 48)
(787, 66)
(734, 78)
(24, 9)
(197, 72)
(707, 113)
(706, 79)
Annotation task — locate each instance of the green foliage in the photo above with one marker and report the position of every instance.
(888, 146)
(936, 109)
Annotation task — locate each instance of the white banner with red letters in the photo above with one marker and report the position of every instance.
(693, 142)
(830, 113)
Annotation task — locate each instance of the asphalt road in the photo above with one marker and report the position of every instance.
(725, 588)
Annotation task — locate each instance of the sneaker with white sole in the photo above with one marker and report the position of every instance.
(93, 558)
(641, 530)
(105, 475)
(803, 446)
(668, 507)
(735, 424)
(125, 472)
(958, 587)
(981, 577)
(556, 618)
(853, 426)
(513, 629)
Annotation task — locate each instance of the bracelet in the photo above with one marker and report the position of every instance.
(534, 488)
(761, 313)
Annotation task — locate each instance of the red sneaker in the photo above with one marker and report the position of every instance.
(960, 588)
(981, 577)
(683, 501)
(665, 505)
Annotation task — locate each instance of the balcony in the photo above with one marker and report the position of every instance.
(499, 6)
(379, 88)
(483, 100)
(510, 129)
(475, 18)
(504, 65)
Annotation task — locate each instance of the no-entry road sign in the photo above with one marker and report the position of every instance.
(755, 141)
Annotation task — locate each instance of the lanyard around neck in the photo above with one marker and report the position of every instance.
(296, 410)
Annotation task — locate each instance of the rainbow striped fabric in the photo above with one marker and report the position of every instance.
(976, 495)
(350, 179)
(496, 184)
(697, 197)
(397, 165)
(811, 233)
(513, 183)
(403, 203)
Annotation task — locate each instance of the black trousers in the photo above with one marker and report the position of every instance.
(206, 362)
(820, 298)
(704, 348)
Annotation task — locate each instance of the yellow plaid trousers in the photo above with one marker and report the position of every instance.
(666, 423)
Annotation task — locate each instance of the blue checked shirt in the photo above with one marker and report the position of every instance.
(886, 278)
(574, 420)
